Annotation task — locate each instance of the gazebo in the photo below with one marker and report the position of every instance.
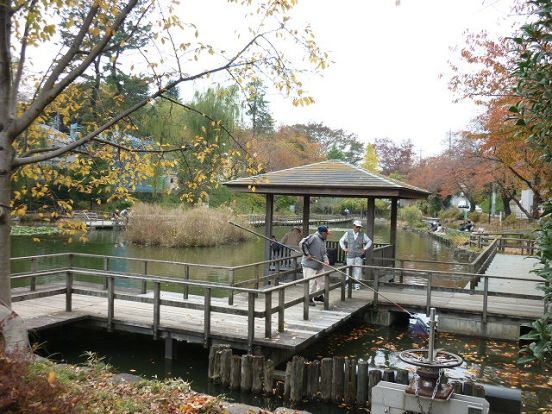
(328, 179)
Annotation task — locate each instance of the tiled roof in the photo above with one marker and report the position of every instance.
(327, 178)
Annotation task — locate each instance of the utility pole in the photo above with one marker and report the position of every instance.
(450, 140)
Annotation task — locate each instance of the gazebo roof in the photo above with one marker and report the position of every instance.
(327, 178)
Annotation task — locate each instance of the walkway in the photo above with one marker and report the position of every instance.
(513, 266)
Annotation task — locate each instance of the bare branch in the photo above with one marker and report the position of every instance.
(19, 161)
(51, 91)
(142, 150)
(22, 56)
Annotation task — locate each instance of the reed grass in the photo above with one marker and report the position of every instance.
(155, 225)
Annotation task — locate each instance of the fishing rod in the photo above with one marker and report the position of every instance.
(411, 315)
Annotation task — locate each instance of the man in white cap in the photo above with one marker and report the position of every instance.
(355, 243)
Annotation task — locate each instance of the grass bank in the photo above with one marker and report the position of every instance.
(43, 387)
(155, 225)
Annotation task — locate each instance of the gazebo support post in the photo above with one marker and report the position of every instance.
(269, 216)
(393, 229)
(306, 215)
(370, 217)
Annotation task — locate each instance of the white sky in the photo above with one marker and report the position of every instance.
(385, 81)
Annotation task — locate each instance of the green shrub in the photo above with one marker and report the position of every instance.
(509, 220)
(475, 216)
(411, 214)
(451, 214)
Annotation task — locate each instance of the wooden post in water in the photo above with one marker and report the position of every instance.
(326, 369)
(287, 381)
(402, 377)
(297, 379)
(235, 372)
(350, 381)
(388, 375)
(313, 379)
(257, 371)
(338, 379)
(268, 377)
(362, 383)
(246, 373)
(225, 366)
(374, 377)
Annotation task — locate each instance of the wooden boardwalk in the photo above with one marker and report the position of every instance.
(513, 266)
(276, 316)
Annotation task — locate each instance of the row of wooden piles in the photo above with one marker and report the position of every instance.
(340, 380)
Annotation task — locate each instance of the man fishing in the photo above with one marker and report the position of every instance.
(355, 243)
(314, 258)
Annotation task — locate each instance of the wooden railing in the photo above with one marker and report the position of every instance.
(331, 281)
(523, 245)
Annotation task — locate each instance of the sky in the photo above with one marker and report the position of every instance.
(390, 64)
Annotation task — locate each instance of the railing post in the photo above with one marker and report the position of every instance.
(250, 320)
(479, 241)
(344, 276)
(186, 287)
(306, 300)
(206, 316)
(68, 291)
(401, 264)
(428, 292)
(281, 309)
(33, 270)
(350, 283)
(110, 302)
(156, 308)
(106, 269)
(327, 291)
(144, 288)
(376, 288)
(257, 276)
(485, 297)
(231, 283)
(277, 277)
(295, 267)
(268, 315)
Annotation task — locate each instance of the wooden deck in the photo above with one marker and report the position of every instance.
(276, 316)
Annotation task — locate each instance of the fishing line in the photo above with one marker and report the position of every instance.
(411, 315)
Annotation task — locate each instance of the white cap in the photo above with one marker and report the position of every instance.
(357, 223)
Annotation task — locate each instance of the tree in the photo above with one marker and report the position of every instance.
(533, 73)
(371, 161)
(335, 154)
(288, 148)
(393, 158)
(257, 108)
(27, 99)
(346, 142)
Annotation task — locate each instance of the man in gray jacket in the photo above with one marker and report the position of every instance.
(314, 255)
(355, 243)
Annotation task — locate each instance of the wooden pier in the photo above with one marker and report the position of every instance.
(270, 312)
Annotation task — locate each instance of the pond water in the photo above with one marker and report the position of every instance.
(486, 361)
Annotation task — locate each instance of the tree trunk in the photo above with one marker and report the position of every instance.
(5, 189)
(506, 203)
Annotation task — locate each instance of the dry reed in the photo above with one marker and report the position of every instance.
(154, 225)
